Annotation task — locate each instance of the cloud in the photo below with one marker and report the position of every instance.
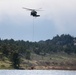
(60, 15)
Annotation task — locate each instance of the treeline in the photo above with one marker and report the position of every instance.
(15, 49)
(59, 44)
(63, 43)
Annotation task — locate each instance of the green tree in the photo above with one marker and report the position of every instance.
(28, 54)
(5, 50)
(16, 60)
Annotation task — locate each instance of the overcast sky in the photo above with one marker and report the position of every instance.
(57, 17)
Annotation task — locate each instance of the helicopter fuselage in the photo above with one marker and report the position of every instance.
(34, 13)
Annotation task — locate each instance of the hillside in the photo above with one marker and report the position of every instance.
(56, 53)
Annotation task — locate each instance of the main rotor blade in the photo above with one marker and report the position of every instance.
(27, 9)
(40, 9)
(33, 9)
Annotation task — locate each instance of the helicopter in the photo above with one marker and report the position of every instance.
(33, 12)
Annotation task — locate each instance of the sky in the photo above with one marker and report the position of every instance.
(56, 17)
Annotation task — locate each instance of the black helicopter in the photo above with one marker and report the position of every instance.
(33, 12)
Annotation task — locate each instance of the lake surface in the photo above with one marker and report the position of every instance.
(37, 72)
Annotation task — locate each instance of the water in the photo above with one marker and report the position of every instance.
(37, 72)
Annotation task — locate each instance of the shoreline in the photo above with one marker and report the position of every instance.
(50, 68)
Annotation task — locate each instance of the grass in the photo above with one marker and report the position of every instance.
(5, 63)
(51, 57)
(60, 60)
(40, 62)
